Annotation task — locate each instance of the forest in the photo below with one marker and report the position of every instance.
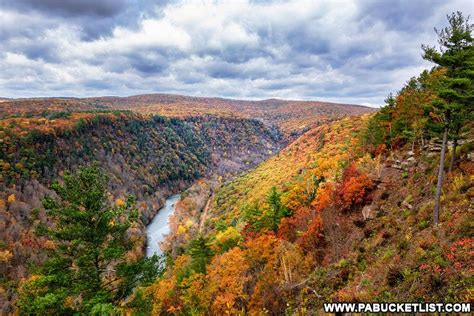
(284, 206)
(361, 209)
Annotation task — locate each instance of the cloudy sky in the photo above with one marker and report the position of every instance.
(344, 51)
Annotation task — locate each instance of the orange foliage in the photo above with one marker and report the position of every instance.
(324, 196)
(119, 202)
(354, 188)
(282, 266)
(164, 291)
(227, 276)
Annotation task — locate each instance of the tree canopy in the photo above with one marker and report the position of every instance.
(87, 270)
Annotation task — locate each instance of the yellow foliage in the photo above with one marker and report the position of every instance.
(6, 166)
(228, 235)
(49, 244)
(188, 223)
(5, 256)
(321, 152)
(119, 202)
(11, 198)
(457, 183)
(195, 290)
(182, 229)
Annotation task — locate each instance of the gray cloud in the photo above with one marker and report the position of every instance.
(356, 51)
(403, 15)
(70, 8)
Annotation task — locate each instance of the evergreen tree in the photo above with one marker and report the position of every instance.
(456, 91)
(269, 217)
(86, 271)
(253, 214)
(379, 126)
(201, 253)
(276, 210)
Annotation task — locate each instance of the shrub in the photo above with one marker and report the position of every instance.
(354, 189)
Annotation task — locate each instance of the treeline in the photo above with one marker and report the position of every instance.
(439, 103)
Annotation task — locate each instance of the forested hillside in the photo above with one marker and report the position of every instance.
(149, 157)
(327, 219)
(375, 208)
(292, 117)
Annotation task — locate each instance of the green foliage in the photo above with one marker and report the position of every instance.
(86, 271)
(227, 239)
(276, 210)
(456, 90)
(268, 217)
(376, 132)
(102, 309)
(253, 214)
(141, 304)
(455, 102)
(441, 98)
(221, 225)
(405, 117)
(53, 115)
(201, 253)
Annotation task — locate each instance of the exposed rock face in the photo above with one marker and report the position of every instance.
(368, 212)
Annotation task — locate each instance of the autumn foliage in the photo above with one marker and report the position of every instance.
(264, 254)
(354, 188)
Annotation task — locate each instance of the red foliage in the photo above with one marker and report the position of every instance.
(354, 189)
(291, 227)
(249, 233)
(380, 149)
(313, 239)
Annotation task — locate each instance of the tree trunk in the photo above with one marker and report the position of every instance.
(440, 177)
(453, 156)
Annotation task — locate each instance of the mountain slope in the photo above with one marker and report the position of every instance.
(150, 157)
(356, 227)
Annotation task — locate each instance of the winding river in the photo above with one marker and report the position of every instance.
(159, 227)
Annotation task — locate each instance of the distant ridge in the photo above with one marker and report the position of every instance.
(291, 116)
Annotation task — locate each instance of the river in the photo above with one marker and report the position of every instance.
(159, 227)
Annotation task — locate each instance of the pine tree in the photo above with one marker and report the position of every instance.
(201, 253)
(253, 215)
(276, 210)
(86, 272)
(456, 91)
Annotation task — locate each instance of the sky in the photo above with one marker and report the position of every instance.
(340, 51)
